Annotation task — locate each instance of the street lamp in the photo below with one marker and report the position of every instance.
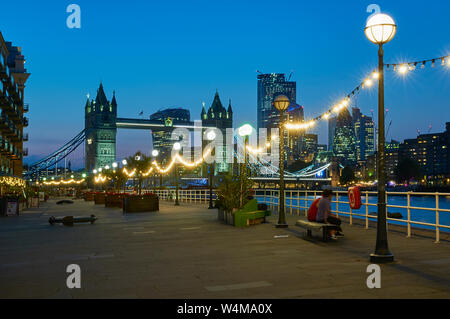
(176, 147)
(211, 136)
(281, 103)
(155, 154)
(244, 131)
(381, 29)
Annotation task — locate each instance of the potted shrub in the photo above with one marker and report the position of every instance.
(230, 192)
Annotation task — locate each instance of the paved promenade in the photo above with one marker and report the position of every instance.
(184, 252)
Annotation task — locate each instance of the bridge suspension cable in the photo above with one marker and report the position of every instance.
(58, 155)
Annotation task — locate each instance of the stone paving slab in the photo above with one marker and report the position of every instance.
(184, 252)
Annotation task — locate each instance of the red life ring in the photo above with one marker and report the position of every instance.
(354, 197)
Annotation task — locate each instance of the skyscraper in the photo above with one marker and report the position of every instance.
(162, 137)
(295, 139)
(344, 142)
(269, 87)
(364, 132)
(331, 130)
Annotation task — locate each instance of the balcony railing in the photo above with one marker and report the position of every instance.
(26, 108)
(25, 152)
(25, 137)
(25, 122)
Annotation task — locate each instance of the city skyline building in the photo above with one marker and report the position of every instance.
(432, 153)
(364, 133)
(162, 137)
(344, 142)
(269, 86)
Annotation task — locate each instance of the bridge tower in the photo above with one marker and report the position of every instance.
(221, 118)
(101, 129)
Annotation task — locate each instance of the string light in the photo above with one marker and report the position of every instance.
(63, 182)
(12, 181)
(129, 174)
(100, 179)
(175, 159)
(402, 68)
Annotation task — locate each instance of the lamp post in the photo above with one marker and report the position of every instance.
(211, 136)
(244, 131)
(155, 154)
(381, 29)
(281, 103)
(176, 147)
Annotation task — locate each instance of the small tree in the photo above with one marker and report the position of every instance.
(347, 176)
(407, 170)
(141, 163)
(229, 192)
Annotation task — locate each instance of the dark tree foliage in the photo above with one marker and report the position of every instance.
(407, 170)
(347, 176)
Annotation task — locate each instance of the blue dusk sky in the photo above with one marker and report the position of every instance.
(158, 54)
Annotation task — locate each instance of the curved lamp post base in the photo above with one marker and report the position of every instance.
(177, 204)
(281, 225)
(381, 259)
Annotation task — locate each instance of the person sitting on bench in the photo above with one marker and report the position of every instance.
(324, 214)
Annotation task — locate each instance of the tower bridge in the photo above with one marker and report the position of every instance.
(102, 123)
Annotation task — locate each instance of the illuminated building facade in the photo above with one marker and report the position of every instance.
(344, 142)
(162, 137)
(269, 87)
(432, 153)
(12, 122)
(364, 133)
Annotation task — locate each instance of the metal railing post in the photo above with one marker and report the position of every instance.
(408, 197)
(306, 203)
(337, 204)
(437, 219)
(367, 210)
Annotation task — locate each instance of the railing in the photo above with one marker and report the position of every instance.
(185, 195)
(298, 202)
(420, 210)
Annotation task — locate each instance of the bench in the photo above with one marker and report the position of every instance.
(250, 215)
(310, 226)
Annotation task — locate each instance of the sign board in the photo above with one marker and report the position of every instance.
(11, 208)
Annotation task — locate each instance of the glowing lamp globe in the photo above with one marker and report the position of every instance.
(211, 135)
(245, 130)
(380, 28)
(177, 146)
(155, 153)
(281, 103)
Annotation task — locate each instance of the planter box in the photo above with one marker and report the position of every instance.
(221, 214)
(140, 204)
(114, 200)
(229, 218)
(89, 196)
(99, 198)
